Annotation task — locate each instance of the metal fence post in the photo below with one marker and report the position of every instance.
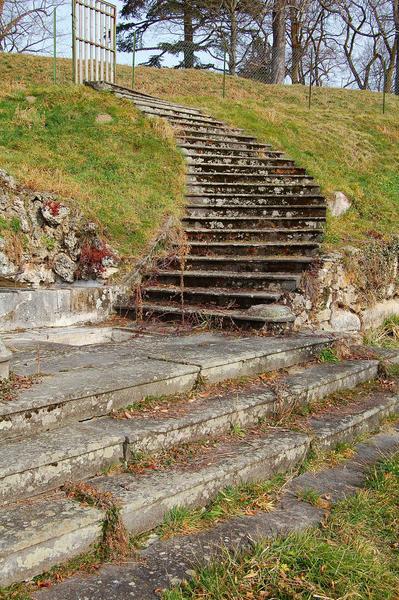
(134, 61)
(310, 79)
(74, 74)
(384, 95)
(224, 73)
(55, 46)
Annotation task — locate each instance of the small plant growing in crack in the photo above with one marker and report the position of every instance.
(115, 538)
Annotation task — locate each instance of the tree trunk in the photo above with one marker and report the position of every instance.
(188, 36)
(233, 43)
(1, 32)
(278, 49)
(295, 28)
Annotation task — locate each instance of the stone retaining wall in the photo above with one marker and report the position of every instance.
(44, 241)
(350, 291)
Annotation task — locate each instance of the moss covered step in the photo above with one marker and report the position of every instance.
(230, 234)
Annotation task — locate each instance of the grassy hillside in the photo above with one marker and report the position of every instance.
(125, 173)
(344, 140)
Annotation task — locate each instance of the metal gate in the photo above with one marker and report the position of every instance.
(93, 41)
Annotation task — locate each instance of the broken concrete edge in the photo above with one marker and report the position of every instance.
(286, 454)
(5, 358)
(165, 563)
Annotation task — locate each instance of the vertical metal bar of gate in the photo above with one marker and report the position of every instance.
(93, 40)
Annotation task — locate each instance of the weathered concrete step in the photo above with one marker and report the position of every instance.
(261, 167)
(231, 160)
(48, 460)
(248, 178)
(218, 414)
(36, 536)
(278, 189)
(210, 296)
(76, 385)
(222, 223)
(253, 249)
(145, 500)
(203, 150)
(217, 316)
(213, 142)
(245, 201)
(270, 213)
(177, 116)
(240, 264)
(276, 281)
(332, 482)
(226, 234)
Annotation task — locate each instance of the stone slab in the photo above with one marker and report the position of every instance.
(165, 563)
(317, 382)
(145, 500)
(223, 357)
(35, 537)
(46, 461)
(57, 307)
(328, 430)
(66, 397)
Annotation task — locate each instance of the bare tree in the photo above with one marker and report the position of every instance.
(26, 25)
(279, 41)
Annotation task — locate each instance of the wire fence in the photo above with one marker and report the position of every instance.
(258, 61)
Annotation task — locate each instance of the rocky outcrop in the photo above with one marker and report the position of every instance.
(44, 240)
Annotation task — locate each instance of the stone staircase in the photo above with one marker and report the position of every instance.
(62, 428)
(254, 222)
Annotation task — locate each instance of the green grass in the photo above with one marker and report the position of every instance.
(385, 336)
(344, 140)
(126, 175)
(354, 555)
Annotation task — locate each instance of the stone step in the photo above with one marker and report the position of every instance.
(218, 317)
(241, 250)
(37, 536)
(253, 177)
(248, 264)
(210, 296)
(45, 461)
(177, 115)
(195, 141)
(261, 167)
(46, 537)
(220, 223)
(255, 234)
(199, 151)
(270, 212)
(149, 101)
(272, 281)
(231, 160)
(75, 384)
(145, 500)
(248, 189)
(255, 200)
(225, 135)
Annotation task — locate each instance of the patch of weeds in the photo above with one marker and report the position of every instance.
(318, 459)
(310, 496)
(9, 388)
(328, 355)
(385, 336)
(236, 430)
(244, 499)
(354, 555)
(48, 242)
(115, 539)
